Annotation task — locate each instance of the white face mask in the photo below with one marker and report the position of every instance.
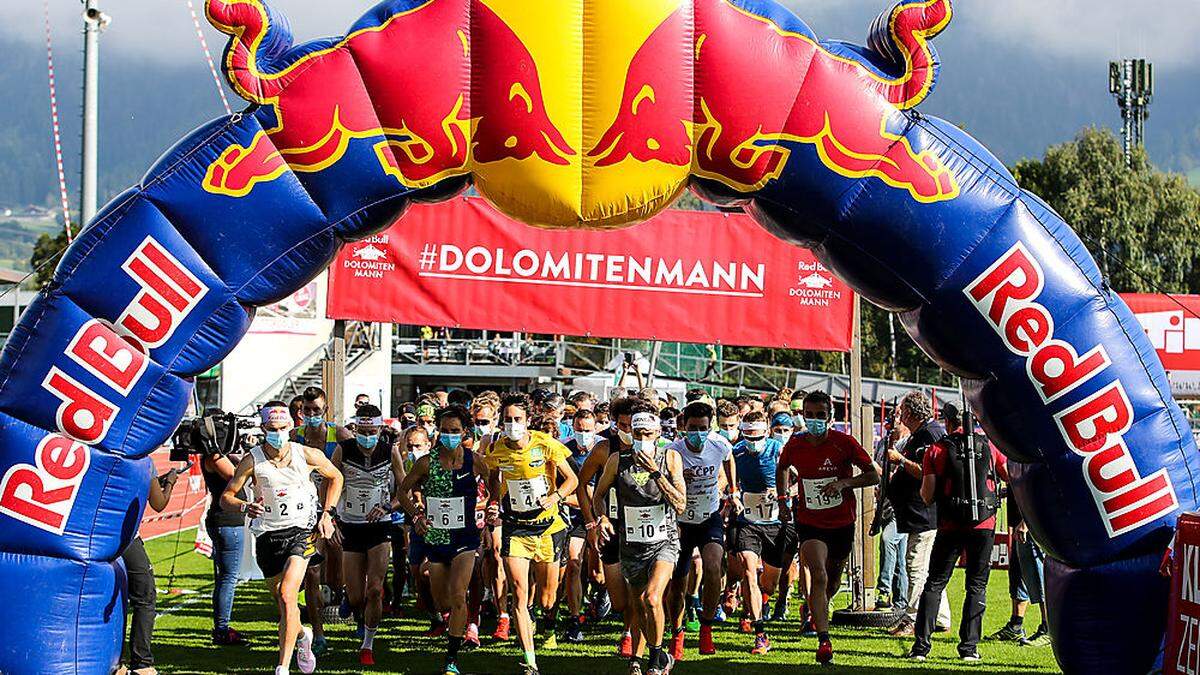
(782, 436)
(625, 436)
(585, 438)
(756, 446)
(515, 431)
(643, 446)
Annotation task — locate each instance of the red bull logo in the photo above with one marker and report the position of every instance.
(709, 88)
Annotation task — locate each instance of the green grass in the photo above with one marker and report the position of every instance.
(182, 639)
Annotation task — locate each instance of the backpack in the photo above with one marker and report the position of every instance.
(972, 497)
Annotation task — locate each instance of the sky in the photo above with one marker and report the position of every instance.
(1162, 30)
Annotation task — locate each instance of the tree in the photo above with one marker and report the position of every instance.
(1140, 224)
(46, 253)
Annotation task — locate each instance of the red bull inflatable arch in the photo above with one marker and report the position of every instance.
(594, 114)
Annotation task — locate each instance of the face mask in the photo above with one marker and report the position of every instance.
(817, 427)
(515, 431)
(314, 420)
(756, 445)
(276, 438)
(407, 423)
(430, 430)
(696, 438)
(418, 453)
(729, 434)
(798, 419)
(625, 436)
(585, 438)
(367, 442)
(451, 441)
(782, 436)
(643, 446)
(483, 428)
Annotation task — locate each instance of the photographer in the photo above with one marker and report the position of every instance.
(225, 528)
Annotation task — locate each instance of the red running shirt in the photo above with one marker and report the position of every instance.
(834, 458)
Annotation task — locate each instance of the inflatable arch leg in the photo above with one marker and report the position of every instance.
(737, 98)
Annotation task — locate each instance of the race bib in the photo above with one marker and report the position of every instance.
(761, 507)
(699, 507)
(646, 524)
(524, 495)
(358, 502)
(613, 511)
(446, 513)
(814, 500)
(281, 505)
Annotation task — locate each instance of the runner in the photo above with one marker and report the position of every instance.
(708, 469)
(484, 411)
(419, 446)
(448, 480)
(759, 539)
(649, 492)
(613, 440)
(825, 509)
(528, 470)
(285, 512)
(371, 469)
(583, 424)
(325, 436)
(782, 429)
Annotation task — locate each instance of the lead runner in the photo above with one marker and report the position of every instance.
(285, 513)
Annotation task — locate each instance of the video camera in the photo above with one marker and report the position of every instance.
(215, 433)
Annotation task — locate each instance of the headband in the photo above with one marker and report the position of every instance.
(754, 426)
(376, 421)
(646, 420)
(275, 415)
(782, 419)
(424, 410)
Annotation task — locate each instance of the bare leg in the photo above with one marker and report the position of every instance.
(286, 587)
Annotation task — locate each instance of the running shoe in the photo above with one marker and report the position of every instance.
(450, 669)
(780, 609)
(707, 647)
(761, 644)
(318, 645)
(574, 633)
(601, 606)
(527, 669)
(471, 638)
(366, 657)
(551, 641)
(227, 637)
(729, 602)
(970, 657)
(305, 660)
(1039, 638)
(825, 652)
(664, 669)
(719, 615)
(1010, 633)
(677, 644)
(914, 655)
(501, 632)
(437, 626)
(744, 626)
(635, 667)
(625, 648)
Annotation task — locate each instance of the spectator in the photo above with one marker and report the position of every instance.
(964, 526)
(915, 516)
(1014, 630)
(892, 587)
(583, 400)
(225, 528)
(407, 414)
(1030, 561)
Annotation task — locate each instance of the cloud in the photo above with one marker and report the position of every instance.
(1080, 30)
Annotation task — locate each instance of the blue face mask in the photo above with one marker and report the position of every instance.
(696, 438)
(276, 438)
(367, 442)
(451, 441)
(315, 420)
(817, 427)
(729, 434)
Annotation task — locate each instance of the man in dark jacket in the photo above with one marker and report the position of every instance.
(914, 517)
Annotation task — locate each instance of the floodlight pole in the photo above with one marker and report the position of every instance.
(94, 21)
(1131, 81)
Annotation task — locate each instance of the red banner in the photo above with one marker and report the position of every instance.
(1172, 323)
(1182, 653)
(683, 276)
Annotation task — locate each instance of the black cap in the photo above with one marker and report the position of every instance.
(949, 412)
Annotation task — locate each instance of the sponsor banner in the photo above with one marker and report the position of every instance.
(1182, 653)
(683, 276)
(1172, 322)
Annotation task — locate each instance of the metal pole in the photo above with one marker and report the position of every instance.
(855, 397)
(94, 21)
(655, 350)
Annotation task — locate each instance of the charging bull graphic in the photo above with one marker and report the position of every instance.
(592, 123)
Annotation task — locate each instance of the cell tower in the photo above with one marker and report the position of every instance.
(1131, 81)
